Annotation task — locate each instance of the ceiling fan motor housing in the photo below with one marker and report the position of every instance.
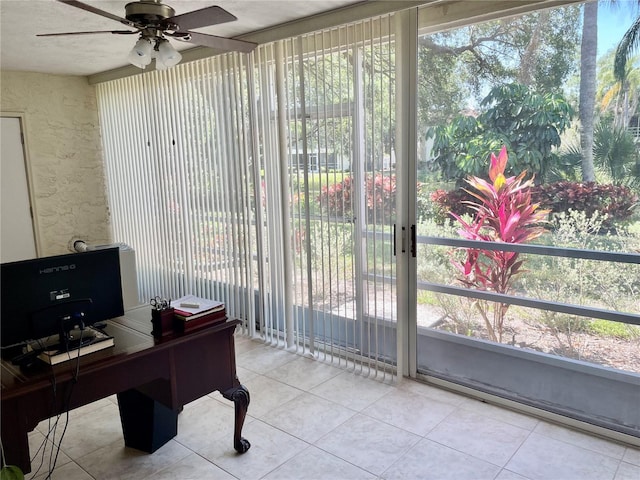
(147, 12)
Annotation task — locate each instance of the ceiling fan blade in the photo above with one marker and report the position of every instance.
(97, 11)
(220, 43)
(116, 32)
(201, 18)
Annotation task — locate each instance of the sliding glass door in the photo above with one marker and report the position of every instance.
(522, 281)
(327, 178)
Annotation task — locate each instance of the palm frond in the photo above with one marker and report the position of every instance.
(629, 44)
(614, 150)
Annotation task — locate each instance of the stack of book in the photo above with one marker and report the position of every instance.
(193, 312)
(99, 341)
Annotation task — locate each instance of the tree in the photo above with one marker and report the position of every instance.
(527, 122)
(456, 68)
(615, 152)
(627, 46)
(588, 56)
(617, 100)
(534, 49)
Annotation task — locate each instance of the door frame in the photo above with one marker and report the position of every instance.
(22, 119)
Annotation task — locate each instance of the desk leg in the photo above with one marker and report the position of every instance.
(16, 445)
(240, 397)
(146, 424)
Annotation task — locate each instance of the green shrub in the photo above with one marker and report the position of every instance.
(602, 284)
(606, 328)
(527, 122)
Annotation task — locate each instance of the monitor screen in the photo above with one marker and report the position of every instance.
(38, 293)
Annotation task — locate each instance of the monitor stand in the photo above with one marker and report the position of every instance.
(77, 338)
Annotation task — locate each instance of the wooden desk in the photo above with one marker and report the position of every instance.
(153, 382)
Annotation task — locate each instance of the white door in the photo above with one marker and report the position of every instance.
(17, 240)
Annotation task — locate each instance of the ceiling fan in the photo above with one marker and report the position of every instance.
(155, 22)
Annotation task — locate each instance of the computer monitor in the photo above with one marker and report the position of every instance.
(49, 296)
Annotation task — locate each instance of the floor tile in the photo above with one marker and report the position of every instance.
(429, 460)
(268, 394)
(89, 432)
(580, 439)
(304, 373)
(70, 471)
(193, 467)
(43, 455)
(92, 407)
(263, 359)
(368, 443)
(627, 471)
(308, 417)
(351, 390)
(399, 408)
(500, 413)
(316, 464)
(121, 463)
(202, 424)
(542, 458)
(270, 448)
(508, 475)
(440, 394)
(244, 344)
(243, 374)
(482, 437)
(632, 455)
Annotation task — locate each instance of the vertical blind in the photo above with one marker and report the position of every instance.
(267, 181)
(179, 179)
(328, 183)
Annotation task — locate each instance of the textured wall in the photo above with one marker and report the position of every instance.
(65, 156)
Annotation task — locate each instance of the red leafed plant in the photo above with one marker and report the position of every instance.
(503, 212)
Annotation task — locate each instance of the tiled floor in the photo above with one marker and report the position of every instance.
(310, 420)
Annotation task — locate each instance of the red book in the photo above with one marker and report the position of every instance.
(183, 326)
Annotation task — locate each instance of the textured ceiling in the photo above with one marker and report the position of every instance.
(21, 20)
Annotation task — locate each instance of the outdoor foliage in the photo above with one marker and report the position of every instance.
(615, 151)
(504, 212)
(537, 49)
(614, 202)
(336, 199)
(380, 197)
(527, 122)
(448, 202)
(615, 286)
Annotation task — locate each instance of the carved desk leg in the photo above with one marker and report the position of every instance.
(240, 397)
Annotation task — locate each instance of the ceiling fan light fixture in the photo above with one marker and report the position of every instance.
(152, 20)
(167, 56)
(140, 54)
